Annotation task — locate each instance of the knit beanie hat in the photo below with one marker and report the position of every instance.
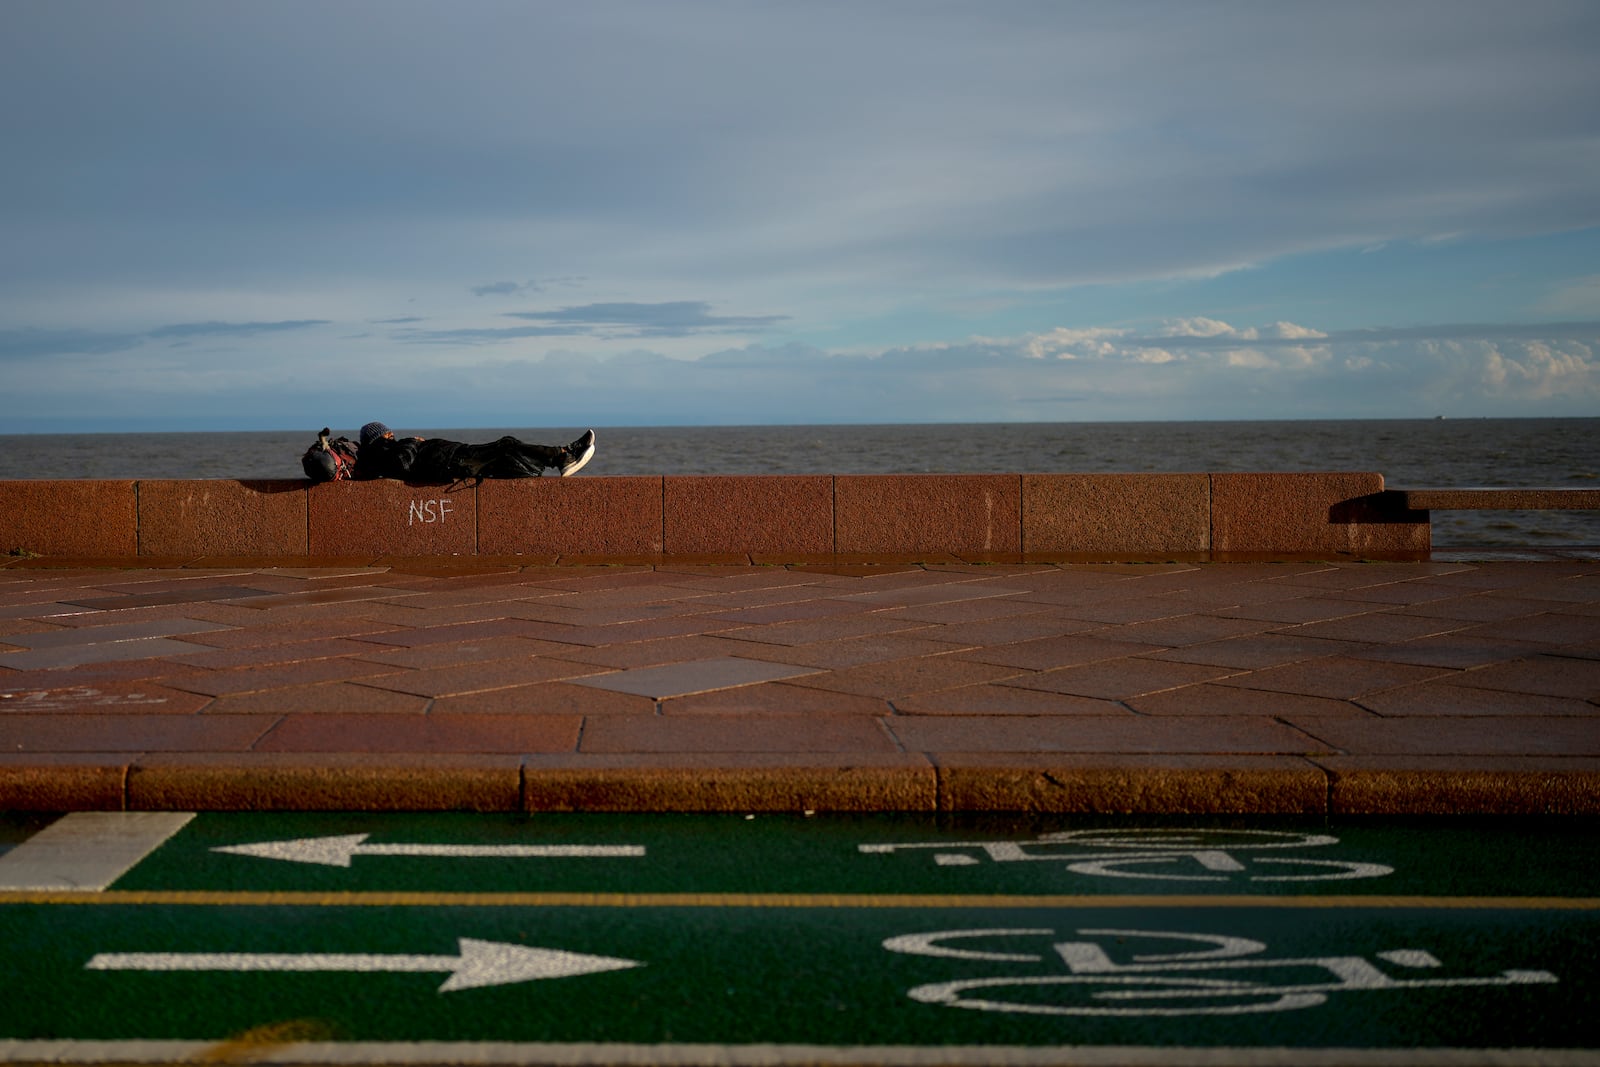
(371, 432)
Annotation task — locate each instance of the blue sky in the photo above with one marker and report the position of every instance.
(291, 214)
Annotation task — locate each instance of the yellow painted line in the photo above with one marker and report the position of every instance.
(222, 898)
(161, 1053)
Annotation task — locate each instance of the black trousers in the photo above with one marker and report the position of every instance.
(508, 457)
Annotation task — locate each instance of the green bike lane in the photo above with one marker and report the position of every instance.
(875, 939)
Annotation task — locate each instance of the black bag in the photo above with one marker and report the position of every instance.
(330, 459)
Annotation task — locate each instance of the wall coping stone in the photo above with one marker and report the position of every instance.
(762, 519)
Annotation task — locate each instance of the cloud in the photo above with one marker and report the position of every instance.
(480, 335)
(846, 152)
(188, 330)
(672, 319)
(1220, 370)
(34, 343)
(1100, 373)
(961, 210)
(505, 289)
(1478, 368)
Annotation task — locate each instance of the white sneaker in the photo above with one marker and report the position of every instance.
(579, 452)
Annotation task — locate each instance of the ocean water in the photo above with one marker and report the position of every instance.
(1409, 453)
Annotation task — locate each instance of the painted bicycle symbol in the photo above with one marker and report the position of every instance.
(1175, 855)
(1224, 976)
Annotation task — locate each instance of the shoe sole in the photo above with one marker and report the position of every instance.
(576, 465)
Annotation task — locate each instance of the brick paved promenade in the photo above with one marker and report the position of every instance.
(1454, 685)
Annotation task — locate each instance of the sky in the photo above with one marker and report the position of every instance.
(230, 215)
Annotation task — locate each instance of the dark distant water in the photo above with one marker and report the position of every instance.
(1409, 453)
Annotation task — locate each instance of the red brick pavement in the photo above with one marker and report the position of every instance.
(1455, 685)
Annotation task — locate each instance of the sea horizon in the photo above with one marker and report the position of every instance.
(1409, 453)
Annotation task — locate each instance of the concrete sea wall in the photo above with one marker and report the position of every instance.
(760, 519)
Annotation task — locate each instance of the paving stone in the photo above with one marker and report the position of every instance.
(790, 611)
(695, 676)
(546, 698)
(662, 651)
(267, 655)
(438, 635)
(134, 698)
(1478, 607)
(95, 674)
(1207, 699)
(1419, 684)
(978, 609)
(852, 734)
(1545, 675)
(478, 677)
(1441, 735)
(1456, 650)
(458, 653)
(74, 655)
(774, 698)
(1258, 651)
(1119, 679)
(904, 677)
(1340, 677)
(1377, 626)
(855, 651)
(1113, 609)
(276, 676)
(1125, 734)
(432, 733)
(1301, 610)
(811, 631)
(98, 732)
(1447, 698)
(647, 630)
(294, 781)
(255, 634)
(1182, 630)
(1557, 628)
(112, 632)
(1001, 699)
(1013, 629)
(1047, 653)
(328, 698)
(946, 593)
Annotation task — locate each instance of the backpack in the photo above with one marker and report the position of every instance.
(330, 460)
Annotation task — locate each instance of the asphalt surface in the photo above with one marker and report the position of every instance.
(330, 937)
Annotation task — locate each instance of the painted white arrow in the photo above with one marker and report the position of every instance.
(338, 851)
(480, 963)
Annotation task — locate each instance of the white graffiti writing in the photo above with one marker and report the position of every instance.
(428, 511)
(76, 697)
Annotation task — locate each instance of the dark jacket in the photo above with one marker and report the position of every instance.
(411, 459)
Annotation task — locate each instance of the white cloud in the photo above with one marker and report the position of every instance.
(647, 183)
(1202, 327)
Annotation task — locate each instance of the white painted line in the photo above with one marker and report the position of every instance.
(598, 1054)
(479, 963)
(87, 850)
(338, 851)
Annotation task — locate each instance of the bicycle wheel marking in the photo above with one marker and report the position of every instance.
(1210, 980)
